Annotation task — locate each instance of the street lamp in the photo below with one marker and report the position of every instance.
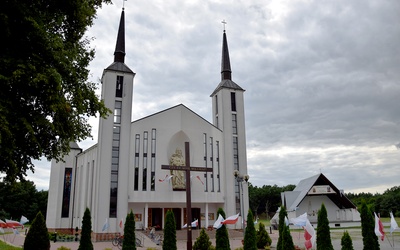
(240, 178)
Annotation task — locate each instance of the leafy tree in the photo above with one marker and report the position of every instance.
(370, 240)
(324, 241)
(263, 238)
(281, 226)
(45, 97)
(203, 241)
(85, 243)
(250, 241)
(129, 233)
(169, 242)
(346, 242)
(21, 198)
(221, 236)
(37, 237)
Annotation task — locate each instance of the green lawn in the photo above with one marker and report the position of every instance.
(4, 246)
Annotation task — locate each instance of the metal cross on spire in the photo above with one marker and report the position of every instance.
(224, 23)
(123, 4)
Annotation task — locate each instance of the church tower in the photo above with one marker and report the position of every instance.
(111, 175)
(228, 115)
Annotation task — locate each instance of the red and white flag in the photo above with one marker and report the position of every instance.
(309, 235)
(167, 178)
(13, 223)
(231, 219)
(218, 222)
(198, 177)
(379, 228)
(121, 223)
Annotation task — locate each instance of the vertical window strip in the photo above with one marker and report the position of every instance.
(205, 161)
(236, 167)
(136, 166)
(119, 86)
(233, 101)
(212, 163)
(117, 112)
(114, 167)
(153, 160)
(234, 124)
(218, 167)
(216, 104)
(145, 144)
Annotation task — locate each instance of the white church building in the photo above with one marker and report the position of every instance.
(122, 172)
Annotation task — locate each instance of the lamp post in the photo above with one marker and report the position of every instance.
(240, 178)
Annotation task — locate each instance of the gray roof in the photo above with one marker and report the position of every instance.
(119, 66)
(292, 199)
(74, 145)
(229, 84)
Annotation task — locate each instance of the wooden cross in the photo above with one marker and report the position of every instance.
(188, 168)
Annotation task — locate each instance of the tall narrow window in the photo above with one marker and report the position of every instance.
(218, 167)
(66, 192)
(118, 87)
(145, 144)
(153, 160)
(233, 101)
(114, 170)
(136, 166)
(117, 112)
(205, 161)
(236, 167)
(234, 124)
(212, 163)
(216, 104)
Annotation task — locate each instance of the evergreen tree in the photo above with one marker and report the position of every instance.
(250, 242)
(370, 240)
(323, 231)
(85, 243)
(346, 242)
(221, 236)
(169, 242)
(129, 233)
(281, 225)
(203, 241)
(263, 238)
(37, 237)
(287, 240)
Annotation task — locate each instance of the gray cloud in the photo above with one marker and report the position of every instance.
(321, 79)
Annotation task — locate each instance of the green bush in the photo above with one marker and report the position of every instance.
(169, 242)
(37, 237)
(324, 241)
(85, 243)
(346, 242)
(370, 240)
(221, 236)
(250, 242)
(263, 238)
(203, 241)
(129, 233)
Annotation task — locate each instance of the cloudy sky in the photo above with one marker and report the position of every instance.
(321, 79)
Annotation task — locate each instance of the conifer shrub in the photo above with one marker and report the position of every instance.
(281, 224)
(346, 242)
(85, 243)
(287, 240)
(129, 242)
(370, 240)
(202, 242)
(250, 241)
(169, 242)
(263, 238)
(37, 237)
(324, 241)
(221, 236)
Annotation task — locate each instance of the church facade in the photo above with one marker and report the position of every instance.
(123, 173)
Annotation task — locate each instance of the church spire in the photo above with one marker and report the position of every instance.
(119, 54)
(226, 72)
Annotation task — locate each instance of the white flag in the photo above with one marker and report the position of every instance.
(218, 222)
(23, 220)
(393, 223)
(106, 225)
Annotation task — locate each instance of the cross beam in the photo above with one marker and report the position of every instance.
(188, 168)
